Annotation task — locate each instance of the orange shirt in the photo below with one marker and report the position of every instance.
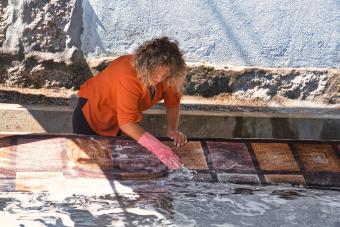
(115, 97)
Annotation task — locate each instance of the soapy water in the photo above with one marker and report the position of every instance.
(182, 174)
(175, 200)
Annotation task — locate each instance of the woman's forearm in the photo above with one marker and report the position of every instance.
(173, 120)
(172, 115)
(134, 130)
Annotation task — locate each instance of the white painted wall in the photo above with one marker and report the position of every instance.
(274, 33)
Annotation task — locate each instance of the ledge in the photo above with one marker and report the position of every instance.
(194, 123)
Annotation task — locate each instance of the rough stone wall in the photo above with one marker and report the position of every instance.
(255, 83)
(40, 43)
(3, 18)
(266, 83)
(46, 28)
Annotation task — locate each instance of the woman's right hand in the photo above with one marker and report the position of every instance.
(163, 152)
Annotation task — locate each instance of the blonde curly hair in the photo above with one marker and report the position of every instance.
(160, 52)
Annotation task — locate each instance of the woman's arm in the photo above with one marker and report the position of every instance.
(134, 130)
(127, 114)
(173, 120)
(172, 115)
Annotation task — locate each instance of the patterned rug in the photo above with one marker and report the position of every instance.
(245, 161)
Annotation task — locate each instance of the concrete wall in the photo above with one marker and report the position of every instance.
(195, 124)
(273, 33)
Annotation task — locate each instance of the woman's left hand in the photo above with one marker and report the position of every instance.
(179, 138)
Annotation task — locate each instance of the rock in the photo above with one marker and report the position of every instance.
(40, 44)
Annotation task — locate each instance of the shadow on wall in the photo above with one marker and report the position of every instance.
(91, 40)
(16, 97)
(254, 41)
(228, 30)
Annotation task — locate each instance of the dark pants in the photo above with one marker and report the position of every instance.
(79, 123)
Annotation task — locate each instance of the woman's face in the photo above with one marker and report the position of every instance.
(159, 75)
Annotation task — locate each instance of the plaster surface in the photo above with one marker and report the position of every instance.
(263, 33)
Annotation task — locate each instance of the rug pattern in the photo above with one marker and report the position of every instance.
(245, 161)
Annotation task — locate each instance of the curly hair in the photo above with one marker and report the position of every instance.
(160, 52)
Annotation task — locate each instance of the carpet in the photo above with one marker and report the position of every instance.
(244, 161)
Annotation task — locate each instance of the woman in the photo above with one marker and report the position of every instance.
(114, 99)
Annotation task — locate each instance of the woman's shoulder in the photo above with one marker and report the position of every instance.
(121, 67)
(124, 61)
(124, 73)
